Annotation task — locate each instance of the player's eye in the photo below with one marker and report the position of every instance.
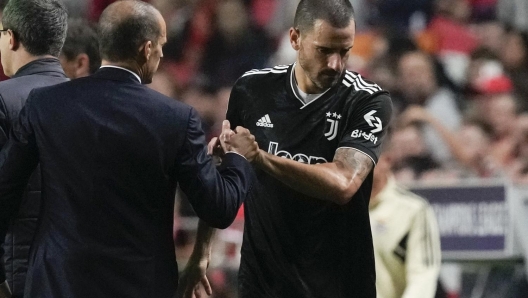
(325, 51)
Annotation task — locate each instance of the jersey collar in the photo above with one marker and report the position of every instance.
(295, 93)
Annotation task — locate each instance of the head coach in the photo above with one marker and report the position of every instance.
(112, 152)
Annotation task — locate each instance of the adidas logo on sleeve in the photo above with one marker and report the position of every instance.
(265, 122)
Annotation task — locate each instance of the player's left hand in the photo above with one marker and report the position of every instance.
(192, 277)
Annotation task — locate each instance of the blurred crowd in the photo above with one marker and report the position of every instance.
(457, 71)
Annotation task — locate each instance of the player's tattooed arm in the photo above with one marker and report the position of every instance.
(336, 181)
(357, 162)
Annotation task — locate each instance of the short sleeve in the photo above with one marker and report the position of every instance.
(234, 111)
(367, 124)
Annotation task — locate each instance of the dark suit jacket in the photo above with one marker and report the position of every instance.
(13, 95)
(111, 153)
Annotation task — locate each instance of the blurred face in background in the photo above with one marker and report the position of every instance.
(417, 80)
(322, 53)
(476, 141)
(232, 19)
(407, 142)
(500, 113)
(521, 133)
(516, 53)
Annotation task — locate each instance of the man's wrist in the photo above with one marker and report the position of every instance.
(5, 291)
(231, 151)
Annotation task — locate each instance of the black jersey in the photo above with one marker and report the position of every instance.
(295, 245)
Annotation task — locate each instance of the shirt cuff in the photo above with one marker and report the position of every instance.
(236, 154)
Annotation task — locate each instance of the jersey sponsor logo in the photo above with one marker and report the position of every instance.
(373, 121)
(265, 122)
(334, 125)
(358, 133)
(300, 157)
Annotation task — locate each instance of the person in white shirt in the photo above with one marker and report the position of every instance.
(406, 238)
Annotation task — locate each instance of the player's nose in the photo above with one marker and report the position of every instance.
(335, 62)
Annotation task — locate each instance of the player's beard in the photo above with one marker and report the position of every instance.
(328, 78)
(323, 79)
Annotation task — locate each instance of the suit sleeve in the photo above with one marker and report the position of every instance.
(18, 159)
(4, 123)
(215, 194)
(423, 256)
(367, 124)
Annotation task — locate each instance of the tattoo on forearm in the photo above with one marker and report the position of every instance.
(358, 162)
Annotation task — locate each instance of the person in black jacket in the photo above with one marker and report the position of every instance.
(31, 38)
(112, 152)
(80, 53)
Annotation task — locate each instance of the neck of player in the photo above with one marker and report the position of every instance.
(303, 81)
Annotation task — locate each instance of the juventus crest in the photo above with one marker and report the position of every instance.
(333, 119)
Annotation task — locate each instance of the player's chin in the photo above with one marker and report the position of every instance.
(327, 81)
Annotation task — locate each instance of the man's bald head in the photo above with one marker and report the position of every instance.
(124, 26)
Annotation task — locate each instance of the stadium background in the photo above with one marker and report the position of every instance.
(458, 74)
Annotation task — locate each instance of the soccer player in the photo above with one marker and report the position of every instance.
(307, 230)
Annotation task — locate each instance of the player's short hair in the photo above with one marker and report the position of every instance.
(39, 25)
(338, 13)
(82, 39)
(121, 34)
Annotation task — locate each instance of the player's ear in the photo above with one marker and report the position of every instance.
(295, 38)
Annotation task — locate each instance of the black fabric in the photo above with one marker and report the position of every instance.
(112, 152)
(295, 245)
(13, 95)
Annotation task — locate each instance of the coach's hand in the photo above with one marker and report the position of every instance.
(192, 276)
(5, 292)
(218, 146)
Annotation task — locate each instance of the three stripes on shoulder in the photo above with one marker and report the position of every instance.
(276, 69)
(352, 79)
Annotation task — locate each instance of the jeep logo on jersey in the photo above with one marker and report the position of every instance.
(334, 125)
(302, 158)
(373, 121)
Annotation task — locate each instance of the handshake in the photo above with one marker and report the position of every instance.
(240, 141)
(5, 292)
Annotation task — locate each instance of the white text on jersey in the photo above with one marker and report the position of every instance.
(302, 158)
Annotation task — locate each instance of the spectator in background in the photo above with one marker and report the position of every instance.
(235, 47)
(80, 53)
(31, 39)
(411, 159)
(514, 57)
(419, 85)
(519, 169)
(500, 112)
(405, 236)
(470, 145)
(513, 12)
